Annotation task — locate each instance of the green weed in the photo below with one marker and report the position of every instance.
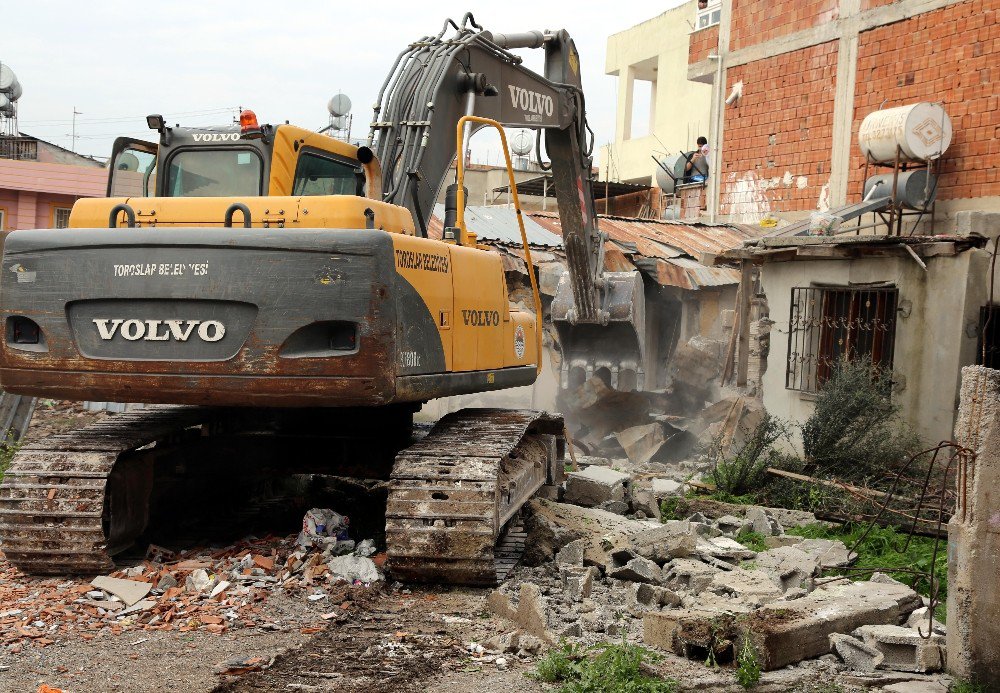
(883, 550)
(752, 540)
(748, 664)
(745, 470)
(602, 668)
(967, 687)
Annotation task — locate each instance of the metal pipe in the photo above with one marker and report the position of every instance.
(713, 171)
(512, 185)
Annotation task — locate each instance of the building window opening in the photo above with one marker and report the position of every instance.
(988, 348)
(643, 108)
(828, 325)
(3, 219)
(709, 13)
(60, 217)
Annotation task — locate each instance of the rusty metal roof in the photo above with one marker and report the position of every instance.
(661, 238)
(691, 274)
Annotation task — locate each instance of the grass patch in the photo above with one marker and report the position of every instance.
(967, 687)
(752, 540)
(602, 668)
(883, 550)
(748, 669)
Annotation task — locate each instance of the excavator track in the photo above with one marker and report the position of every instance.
(453, 494)
(58, 510)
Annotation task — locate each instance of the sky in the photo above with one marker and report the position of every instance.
(197, 62)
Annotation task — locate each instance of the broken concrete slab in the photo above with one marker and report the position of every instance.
(788, 632)
(792, 567)
(830, 553)
(662, 544)
(529, 614)
(129, 591)
(782, 540)
(904, 649)
(595, 485)
(919, 620)
(752, 587)
(855, 653)
(763, 522)
(688, 574)
(916, 687)
(724, 548)
(141, 605)
(639, 569)
(651, 596)
(572, 553)
(351, 568)
(641, 443)
(664, 488)
(784, 633)
(644, 500)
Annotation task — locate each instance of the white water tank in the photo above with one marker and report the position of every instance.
(922, 131)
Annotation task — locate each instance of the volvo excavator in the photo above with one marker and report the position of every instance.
(273, 294)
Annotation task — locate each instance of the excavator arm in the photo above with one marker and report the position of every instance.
(599, 315)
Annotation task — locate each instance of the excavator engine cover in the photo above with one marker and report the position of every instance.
(615, 350)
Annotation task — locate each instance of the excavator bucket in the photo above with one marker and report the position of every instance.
(614, 351)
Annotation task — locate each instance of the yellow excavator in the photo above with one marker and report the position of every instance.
(275, 292)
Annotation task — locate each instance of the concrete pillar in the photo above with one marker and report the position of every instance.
(974, 535)
(626, 86)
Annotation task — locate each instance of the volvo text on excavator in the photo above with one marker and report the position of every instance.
(274, 292)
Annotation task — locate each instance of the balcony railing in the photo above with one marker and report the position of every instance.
(21, 148)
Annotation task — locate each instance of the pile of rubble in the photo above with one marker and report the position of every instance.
(662, 430)
(700, 594)
(194, 590)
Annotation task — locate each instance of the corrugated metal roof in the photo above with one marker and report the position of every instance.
(691, 274)
(660, 238)
(499, 225)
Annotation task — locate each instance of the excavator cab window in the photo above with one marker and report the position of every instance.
(322, 175)
(133, 168)
(229, 172)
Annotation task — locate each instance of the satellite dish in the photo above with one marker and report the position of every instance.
(339, 105)
(521, 143)
(338, 122)
(127, 162)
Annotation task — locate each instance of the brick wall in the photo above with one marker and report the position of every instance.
(702, 43)
(778, 138)
(756, 21)
(952, 56)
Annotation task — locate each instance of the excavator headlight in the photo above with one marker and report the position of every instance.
(249, 129)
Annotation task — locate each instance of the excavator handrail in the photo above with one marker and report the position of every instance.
(460, 214)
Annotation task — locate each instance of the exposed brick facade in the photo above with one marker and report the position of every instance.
(756, 21)
(952, 56)
(702, 43)
(779, 137)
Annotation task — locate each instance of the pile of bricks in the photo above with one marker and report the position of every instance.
(211, 591)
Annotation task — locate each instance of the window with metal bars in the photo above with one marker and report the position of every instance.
(827, 325)
(60, 216)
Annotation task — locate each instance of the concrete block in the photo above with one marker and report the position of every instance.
(904, 649)
(664, 488)
(688, 574)
(577, 582)
(730, 524)
(724, 548)
(790, 566)
(916, 687)
(918, 620)
(664, 629)
(788, 632)
(643, 500)
(782, 540)
(529, 614)
(594, 486)
(753, 587)
(640, 443)
(638, 570)
(855, 653)
(762, 522)
(829, 552)
(572, 553)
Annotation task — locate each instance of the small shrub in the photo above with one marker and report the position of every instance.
(746, 469)
(855, 431)
(967, 687)
(670, 507)
(748, 664)
(616, 668)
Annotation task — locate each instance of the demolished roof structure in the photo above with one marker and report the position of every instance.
(666, 251)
